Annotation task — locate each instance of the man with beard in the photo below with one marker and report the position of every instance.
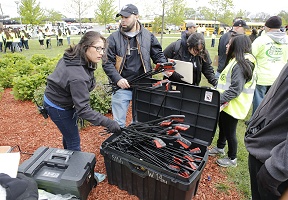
(128, 56)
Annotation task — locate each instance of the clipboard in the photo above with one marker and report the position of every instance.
(185, 69)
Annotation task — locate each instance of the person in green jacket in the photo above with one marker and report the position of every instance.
(271, 52)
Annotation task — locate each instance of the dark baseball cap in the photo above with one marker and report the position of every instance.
(128, 10)
(241, 23)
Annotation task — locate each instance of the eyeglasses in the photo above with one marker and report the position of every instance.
(197, 51)
(99, 49)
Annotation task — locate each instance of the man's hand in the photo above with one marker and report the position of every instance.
(123, 83)
(167, 73)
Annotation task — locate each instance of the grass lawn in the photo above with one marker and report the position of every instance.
(240, 174)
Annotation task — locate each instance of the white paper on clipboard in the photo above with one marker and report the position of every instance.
(9, 163)
(185, 69)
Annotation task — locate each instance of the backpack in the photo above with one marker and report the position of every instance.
(177, 46)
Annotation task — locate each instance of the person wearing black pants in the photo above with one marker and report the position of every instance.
(266, 140)
(258, 191)
(236, 86)
(228, 133)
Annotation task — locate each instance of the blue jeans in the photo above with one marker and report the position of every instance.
(259, 93)
(66, 121)
(120, 103)
(217, 74)
(68, 40)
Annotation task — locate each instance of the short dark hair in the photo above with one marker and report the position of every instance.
(87, 40)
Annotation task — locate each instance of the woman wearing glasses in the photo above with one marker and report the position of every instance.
(198, 56)
(67, 93)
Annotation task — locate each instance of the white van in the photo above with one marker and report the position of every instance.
(74, 30)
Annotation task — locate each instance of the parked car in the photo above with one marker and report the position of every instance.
(75, 30)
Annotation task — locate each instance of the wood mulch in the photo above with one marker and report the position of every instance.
(21, 124)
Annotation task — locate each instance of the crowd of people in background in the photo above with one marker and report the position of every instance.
(17, 39)
(47, 35)
(14, 40)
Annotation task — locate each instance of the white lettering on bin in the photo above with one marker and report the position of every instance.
(51, 174)
(157, 176)
(117, 159)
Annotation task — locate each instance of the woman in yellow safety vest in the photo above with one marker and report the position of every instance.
(16, 41)
(68, 33)
(60, 37)
(24, 39)
(48, 35)
(1, 39)
(8, 38)
(236, 85)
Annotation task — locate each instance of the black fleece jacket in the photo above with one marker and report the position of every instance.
(270, 143)
(200, 65)
(70, 85)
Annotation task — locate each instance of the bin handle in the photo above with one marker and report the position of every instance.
(53, 155)
(137, 171)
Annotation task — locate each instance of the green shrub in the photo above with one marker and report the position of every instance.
(14, 57)
(5, 62)
(46, 68)
(6, 76)
(1, 91)
(13, 66)
(39, 94)
(100, 100)
(23, 67)
(38, 59)
(25, 86)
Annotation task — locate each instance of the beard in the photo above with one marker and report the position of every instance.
(129, 27)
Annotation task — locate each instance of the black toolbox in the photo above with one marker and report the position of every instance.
(149, 182)
(61, 171)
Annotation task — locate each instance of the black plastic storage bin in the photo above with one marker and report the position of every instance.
(61, 171)
(149, 182)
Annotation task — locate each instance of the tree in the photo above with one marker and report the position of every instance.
(222, 10)
(189, 13)
(175, 14)
(244, 14)
(261, 16)
(79, 8)
(284, 15)
(105, 12)
(205, 13)
(157, 25)
(53, 15)
(30, 12)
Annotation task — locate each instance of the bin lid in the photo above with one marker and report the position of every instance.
(200, 105)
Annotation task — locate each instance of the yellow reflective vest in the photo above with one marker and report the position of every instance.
(239, 106)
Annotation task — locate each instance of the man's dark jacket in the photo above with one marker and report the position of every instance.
(223, 41)
(267, 132)
(148, 47)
